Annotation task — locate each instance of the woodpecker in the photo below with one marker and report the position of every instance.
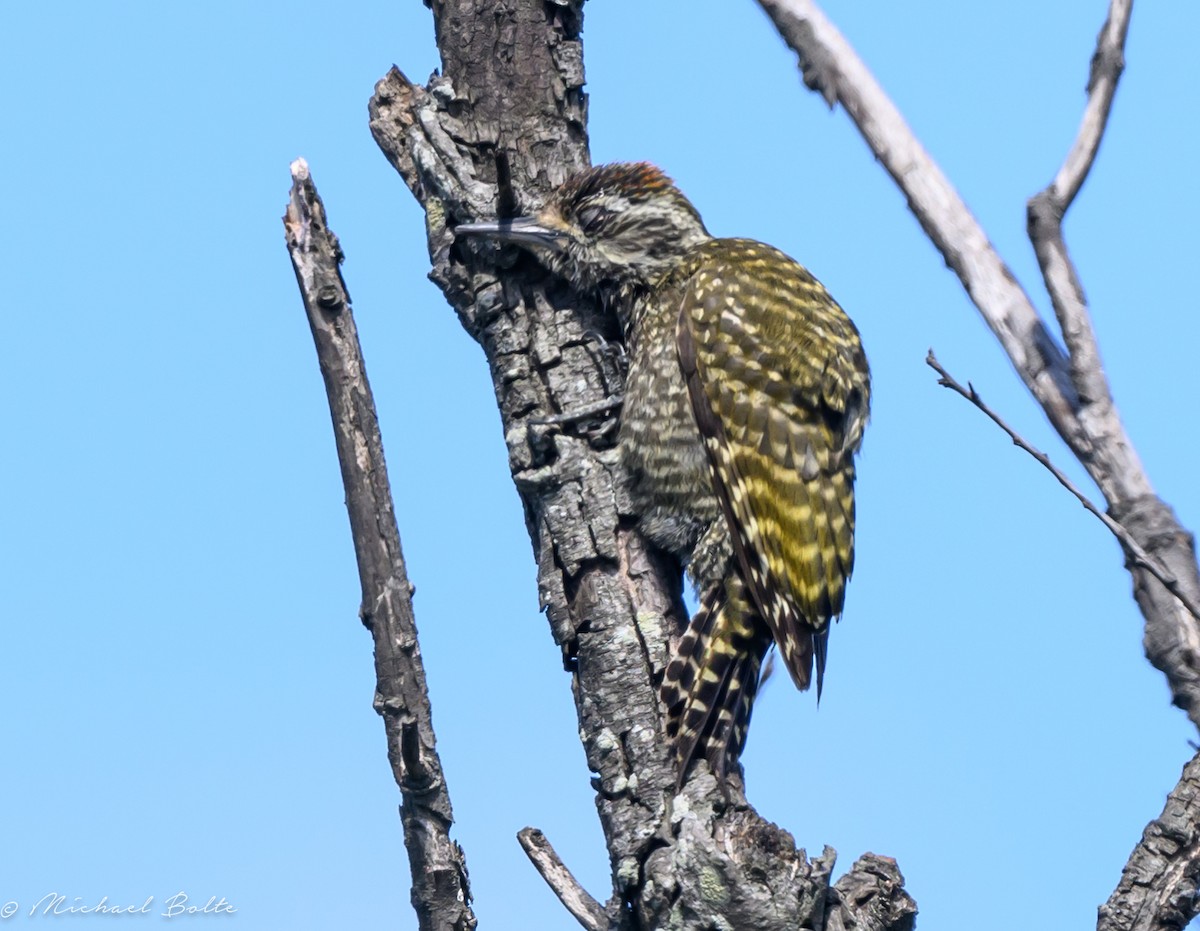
(746, 400)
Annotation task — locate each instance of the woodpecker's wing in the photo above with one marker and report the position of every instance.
(780, 390)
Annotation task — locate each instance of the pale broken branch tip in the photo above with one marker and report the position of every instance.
(587, 911)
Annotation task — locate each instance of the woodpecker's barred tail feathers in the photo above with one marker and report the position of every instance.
(710, 683)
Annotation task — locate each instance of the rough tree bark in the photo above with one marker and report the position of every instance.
(503, 123)
(1159, 884)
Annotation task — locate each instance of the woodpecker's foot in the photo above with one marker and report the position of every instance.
(613, 361)
(593, 421)
(581, 415)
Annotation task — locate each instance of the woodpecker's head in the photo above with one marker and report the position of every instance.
(621, 225)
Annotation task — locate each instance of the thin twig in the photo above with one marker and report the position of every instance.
(441, 894)
(1046, 210)
(1136, 553)
(587, 911)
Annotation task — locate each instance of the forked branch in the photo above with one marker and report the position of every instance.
(1072, 389)
(1158, 888)
(1045, 215)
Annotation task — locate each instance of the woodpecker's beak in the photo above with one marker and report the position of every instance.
(530, 231)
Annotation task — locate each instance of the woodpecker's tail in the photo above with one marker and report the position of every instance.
(709, 685)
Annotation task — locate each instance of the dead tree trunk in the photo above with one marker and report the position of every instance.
(503, 123)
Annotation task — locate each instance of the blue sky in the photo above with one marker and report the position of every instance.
(187, 689)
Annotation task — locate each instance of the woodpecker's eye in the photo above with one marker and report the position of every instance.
(592, 218)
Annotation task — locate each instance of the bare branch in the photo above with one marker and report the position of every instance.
(1138, 555)
(1045, 214)
(1160, 883)
(1108, 61)
(441, 894)
(832, 67)
(948, 222)
(586, 910)
(1077, 404)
